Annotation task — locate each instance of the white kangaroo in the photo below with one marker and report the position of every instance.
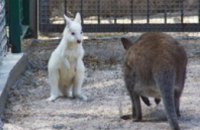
(66, 68)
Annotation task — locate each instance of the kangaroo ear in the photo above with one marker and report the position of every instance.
(67, 19)
(126, 43)
(78, 18)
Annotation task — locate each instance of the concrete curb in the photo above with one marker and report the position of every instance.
(12, 67)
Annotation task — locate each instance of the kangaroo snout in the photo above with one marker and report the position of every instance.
(155, 66)
(78, 41)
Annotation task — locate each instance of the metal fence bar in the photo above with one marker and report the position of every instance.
(165, 11)
(143, 28)
(131, 6)
(65, 6)
(98, 11)
(181, 10)
(114, 10)
(129, 28)
(199, 11)
(82, 21)
(148, 11)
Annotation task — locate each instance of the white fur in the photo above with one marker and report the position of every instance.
(66, 68)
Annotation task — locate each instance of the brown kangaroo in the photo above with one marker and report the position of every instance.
(155, 66)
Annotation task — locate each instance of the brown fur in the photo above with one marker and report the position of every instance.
(155, 66)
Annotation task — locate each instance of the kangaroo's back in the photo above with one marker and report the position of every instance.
(153, 52)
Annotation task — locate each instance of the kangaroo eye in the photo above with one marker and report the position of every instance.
(73, 33)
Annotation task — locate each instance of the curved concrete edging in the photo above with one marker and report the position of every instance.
(12, 67)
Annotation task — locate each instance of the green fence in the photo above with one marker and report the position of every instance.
(18, 11)
(3, 36)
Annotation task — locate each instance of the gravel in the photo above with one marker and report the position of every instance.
(27, 108)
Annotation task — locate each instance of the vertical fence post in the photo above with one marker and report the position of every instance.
(65, 7)
(26, 11)
(148, 11)
(114, 9)
(181, 6)
(15, 29)
(82, 21)
(165, 11)
(199, 11)
(132, 11)
(33, 18)
(98, 11)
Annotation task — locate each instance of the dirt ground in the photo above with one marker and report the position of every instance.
(27, 108)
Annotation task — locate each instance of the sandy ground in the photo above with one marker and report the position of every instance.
(27, 108)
